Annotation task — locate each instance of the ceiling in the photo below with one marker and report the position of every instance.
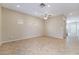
(35, 9)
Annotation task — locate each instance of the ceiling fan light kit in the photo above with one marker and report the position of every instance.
(45, 7)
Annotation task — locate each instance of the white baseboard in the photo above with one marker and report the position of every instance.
(56, 37)
(18, 39)
(24, 38)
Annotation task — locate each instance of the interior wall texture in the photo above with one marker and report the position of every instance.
(16, 25)
(56, 27)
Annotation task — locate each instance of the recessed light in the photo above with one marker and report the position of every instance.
(18, 6)
(48, 5)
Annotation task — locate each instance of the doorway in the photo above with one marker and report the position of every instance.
(72, 31)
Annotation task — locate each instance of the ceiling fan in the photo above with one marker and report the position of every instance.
(45, 15)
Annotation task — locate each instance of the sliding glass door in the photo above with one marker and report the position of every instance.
(72, 30)
(78, 30)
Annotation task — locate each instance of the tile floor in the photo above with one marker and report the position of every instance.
(39, 46)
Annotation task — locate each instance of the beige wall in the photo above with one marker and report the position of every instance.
(56, 26)
(16, 25)
(0, 24)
